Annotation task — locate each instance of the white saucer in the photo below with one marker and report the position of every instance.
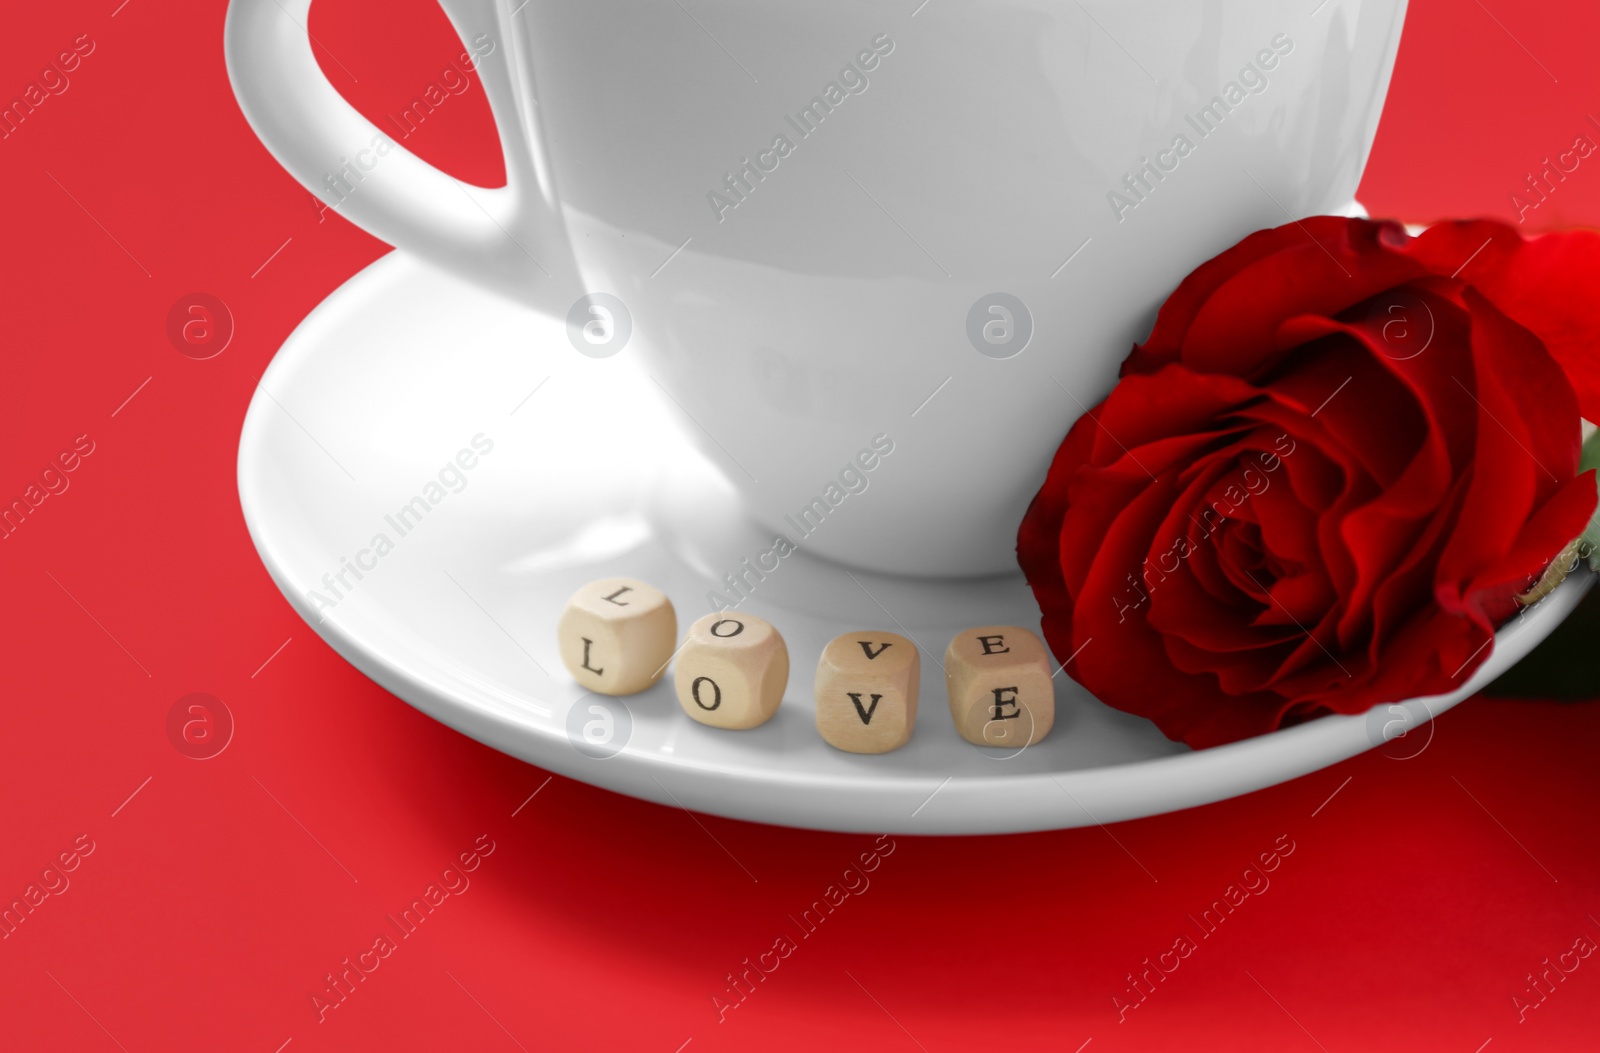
(587, 477)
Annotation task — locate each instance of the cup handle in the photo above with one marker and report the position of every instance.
(509, 239)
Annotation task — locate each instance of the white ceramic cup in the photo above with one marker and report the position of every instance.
(821, 223)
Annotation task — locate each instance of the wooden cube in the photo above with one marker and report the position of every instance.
(731, 670)
(867, 691)
(1001, 691)
(617, 635)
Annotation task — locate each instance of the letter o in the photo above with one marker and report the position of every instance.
(694, 692)
(738, 627)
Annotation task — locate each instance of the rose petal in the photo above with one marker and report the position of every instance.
(1546, 284)
(1527, 433)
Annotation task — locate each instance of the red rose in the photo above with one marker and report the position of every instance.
(1324, 478)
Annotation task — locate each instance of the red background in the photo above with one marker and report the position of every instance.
(1415, 904)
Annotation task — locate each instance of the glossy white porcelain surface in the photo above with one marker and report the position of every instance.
(367, 409)
(970, 151)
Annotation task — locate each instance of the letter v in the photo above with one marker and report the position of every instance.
(871, 654)
(865, 714)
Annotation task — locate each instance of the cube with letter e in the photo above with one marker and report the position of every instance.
(1001, 691)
